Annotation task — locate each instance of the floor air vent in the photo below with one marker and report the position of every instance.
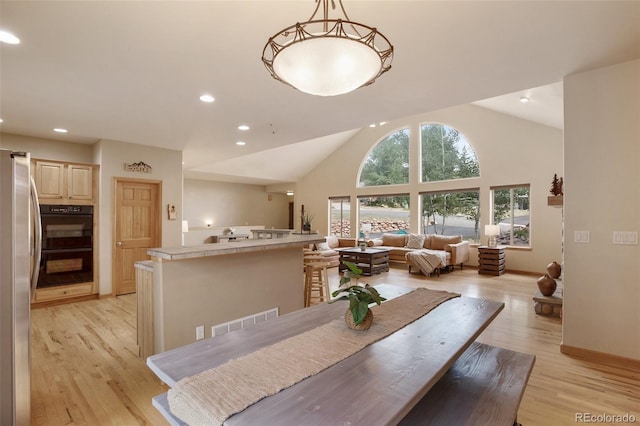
(245, 322)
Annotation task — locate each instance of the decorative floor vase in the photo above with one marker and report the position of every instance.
(546, 285)
(364, 325)
(554, 269)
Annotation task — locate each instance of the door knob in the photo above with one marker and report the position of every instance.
(119, 243)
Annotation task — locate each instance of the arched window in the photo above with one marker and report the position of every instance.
(388, 161)
(446, 154)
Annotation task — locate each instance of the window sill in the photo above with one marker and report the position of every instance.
(507, 247)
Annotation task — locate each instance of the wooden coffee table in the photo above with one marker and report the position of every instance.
(371, 260)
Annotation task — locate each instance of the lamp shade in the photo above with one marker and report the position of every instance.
(327, 57)
(327, 66)
(185, 226)
(492, 230)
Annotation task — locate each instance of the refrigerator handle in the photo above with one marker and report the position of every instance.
(37, 238)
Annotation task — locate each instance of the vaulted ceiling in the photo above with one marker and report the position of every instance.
(134, 71)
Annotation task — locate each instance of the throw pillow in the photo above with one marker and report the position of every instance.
(322, 246)
(332, 241)
(427, 241)
(415, 241)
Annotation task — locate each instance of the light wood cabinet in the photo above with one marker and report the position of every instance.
(61, 183)
(80, 182)
(50, 294)
(144, 290)
(64, 183)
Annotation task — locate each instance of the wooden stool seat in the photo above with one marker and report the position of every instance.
(316, 280)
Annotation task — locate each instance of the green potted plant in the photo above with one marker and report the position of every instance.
(358, 316)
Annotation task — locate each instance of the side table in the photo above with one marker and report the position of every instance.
(491, 260)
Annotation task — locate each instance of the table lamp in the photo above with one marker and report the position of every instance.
(492, 231)
(366, 228)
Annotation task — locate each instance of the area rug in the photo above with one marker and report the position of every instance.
(210, 397)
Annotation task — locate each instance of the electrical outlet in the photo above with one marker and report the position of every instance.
(625, 237)
(200, 332)
(583, 237)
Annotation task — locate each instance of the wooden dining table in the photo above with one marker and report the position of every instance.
(380, 384)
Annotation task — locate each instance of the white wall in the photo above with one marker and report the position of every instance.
(509, 150)
(48, 149)
(233, 204)
(602, 195)
(167, 167)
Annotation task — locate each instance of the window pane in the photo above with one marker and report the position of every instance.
(446, 154)
(452, 213)
(388, 214)
(511, 212)
(339, 220)
(388, 161)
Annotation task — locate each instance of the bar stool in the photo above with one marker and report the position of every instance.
(316, 280)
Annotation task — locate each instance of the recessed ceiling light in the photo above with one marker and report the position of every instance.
(243, 127)
(382, 123)
(1, 120)
(289, 193)
(9, 38)
(524, 99)
(207, 98)
(240, 143)
(372, 125)
(60, 130)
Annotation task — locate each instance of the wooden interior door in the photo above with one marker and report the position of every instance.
(136, 229)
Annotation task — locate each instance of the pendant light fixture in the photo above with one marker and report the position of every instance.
(327, 57)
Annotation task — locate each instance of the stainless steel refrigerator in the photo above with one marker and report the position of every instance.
(19, 261)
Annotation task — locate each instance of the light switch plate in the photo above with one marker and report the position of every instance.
(581, 237)
(625, 237)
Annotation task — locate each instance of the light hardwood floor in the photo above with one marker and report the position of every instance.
(85, 369)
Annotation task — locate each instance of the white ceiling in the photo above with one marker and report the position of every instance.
(544, 104)
(133, 72)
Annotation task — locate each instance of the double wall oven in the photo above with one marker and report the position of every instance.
(67, 245)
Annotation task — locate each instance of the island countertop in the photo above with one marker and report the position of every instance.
(235, 247)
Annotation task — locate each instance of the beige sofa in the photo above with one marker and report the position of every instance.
(456, 250)
(327, 250)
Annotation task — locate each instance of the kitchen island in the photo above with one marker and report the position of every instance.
(213, 284)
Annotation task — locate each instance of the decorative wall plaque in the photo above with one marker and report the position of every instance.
(139, 167)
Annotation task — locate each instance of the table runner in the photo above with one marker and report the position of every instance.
(210, 397)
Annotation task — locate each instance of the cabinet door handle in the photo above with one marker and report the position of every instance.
(119, 243)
